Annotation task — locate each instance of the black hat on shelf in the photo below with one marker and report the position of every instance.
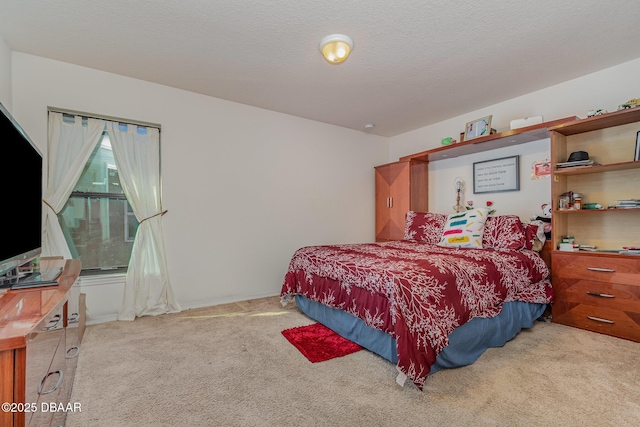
(577, 156)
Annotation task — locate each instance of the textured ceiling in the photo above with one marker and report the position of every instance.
(414, 62)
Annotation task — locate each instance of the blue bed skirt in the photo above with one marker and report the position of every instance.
(466, 343)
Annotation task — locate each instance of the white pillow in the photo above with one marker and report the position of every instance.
(465, 229)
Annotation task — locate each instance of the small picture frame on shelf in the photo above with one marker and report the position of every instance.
(637, 156)
(477, 128)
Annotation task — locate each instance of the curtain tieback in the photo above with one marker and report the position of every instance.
(154, 215)
(50, 207)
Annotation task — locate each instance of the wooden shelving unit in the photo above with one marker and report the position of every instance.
(403, 185)
(610, 140)
(598, 291)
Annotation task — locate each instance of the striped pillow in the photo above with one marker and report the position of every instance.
(465, 229)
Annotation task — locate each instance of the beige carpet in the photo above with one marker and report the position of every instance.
(229, 365)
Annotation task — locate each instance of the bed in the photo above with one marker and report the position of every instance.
(435, 300)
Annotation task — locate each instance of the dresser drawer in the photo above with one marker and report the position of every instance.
(49, 386)
(600, 294)
(618, 323)
(43, 375)
(610, 269)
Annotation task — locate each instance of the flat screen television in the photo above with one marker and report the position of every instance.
(21, 181)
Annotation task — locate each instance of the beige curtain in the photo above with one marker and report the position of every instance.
(69, 148)
(147, 288)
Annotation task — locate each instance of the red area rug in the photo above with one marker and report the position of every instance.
(319, 343)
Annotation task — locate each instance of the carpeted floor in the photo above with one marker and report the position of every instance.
(230, 365)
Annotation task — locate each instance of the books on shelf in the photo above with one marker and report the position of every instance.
(630, 203)
(629, 252)
(575, 164)
(588, 248)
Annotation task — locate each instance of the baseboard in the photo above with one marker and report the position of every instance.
(189, 306)
(229, 300)
(102, 319)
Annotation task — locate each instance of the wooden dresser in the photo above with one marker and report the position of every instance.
(600, 293)
(39, 349)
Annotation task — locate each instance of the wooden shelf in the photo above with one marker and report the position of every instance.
(490, 142)
(603, 121)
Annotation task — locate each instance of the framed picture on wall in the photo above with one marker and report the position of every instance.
(494, 176)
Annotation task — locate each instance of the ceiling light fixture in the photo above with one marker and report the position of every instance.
(336, 48)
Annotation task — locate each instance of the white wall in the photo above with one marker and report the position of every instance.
(605, 89)
(245, 187)
(5, 75)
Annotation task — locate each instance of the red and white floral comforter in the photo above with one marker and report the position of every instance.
(417, 292)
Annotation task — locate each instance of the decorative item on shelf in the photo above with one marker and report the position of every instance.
(592, 113)
(577, 158)
(448, 141)
(592, 206)
(477, 128)
(567, 247)
(566, 201)
(577, 201)
(525, 122)
(632, 103)
(458, 184)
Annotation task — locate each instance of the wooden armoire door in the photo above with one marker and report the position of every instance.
(400, 187)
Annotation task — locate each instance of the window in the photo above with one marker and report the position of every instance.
(97, 221)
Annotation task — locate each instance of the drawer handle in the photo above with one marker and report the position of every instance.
(602, 270)
(73, 318)
(74, 355)
(598, 319)
(598, 294)
(55, 387)
(53, 322)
